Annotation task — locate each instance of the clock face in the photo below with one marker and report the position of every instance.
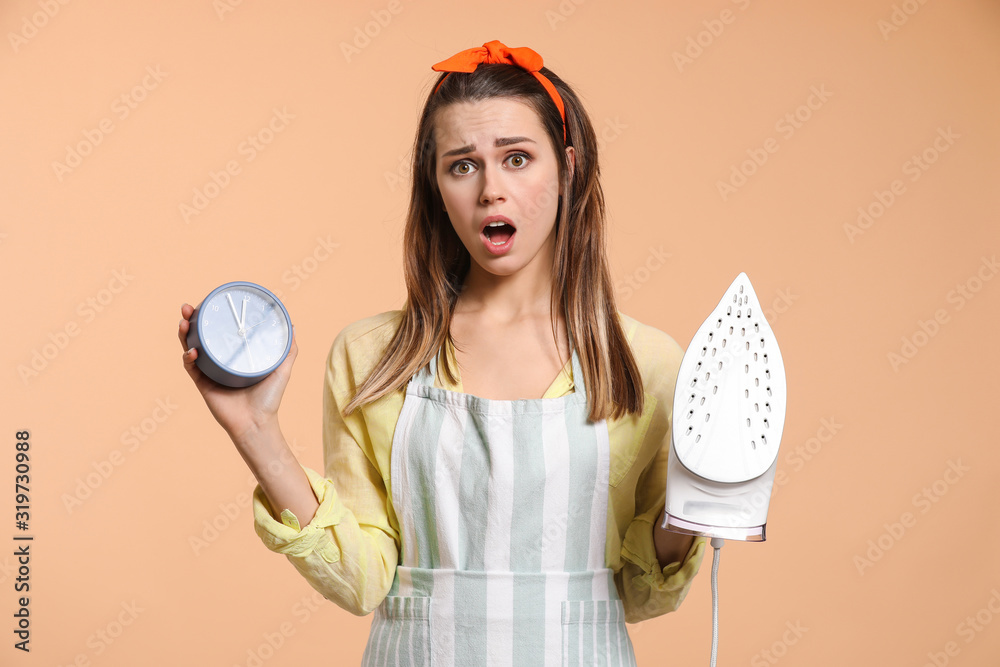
(244, 328)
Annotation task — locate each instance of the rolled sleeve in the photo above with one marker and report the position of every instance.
(287, 537)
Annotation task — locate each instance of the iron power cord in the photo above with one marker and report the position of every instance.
(717, 543)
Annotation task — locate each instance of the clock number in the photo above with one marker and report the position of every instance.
(215, 307)
(274, 323)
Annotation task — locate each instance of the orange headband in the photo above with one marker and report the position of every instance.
(496, 53)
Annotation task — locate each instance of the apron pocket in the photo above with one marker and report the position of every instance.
(400, 633)
(593, 633)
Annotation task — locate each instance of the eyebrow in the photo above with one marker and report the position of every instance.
(499, 143)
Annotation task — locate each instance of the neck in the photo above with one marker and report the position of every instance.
(525, 294)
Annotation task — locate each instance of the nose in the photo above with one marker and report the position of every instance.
(493, 188)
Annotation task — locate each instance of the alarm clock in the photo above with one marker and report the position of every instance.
(242, 332)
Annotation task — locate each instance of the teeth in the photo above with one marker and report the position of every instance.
(495, 224)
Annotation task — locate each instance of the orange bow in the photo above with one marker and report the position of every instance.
(496, 53)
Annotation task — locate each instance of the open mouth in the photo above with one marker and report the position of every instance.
(498, 233)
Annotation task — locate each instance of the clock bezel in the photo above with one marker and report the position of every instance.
(217, 370)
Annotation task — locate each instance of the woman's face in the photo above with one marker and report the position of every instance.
(494, 160)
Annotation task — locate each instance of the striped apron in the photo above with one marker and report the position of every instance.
(502, 506)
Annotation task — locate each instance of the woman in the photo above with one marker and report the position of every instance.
(487, 513)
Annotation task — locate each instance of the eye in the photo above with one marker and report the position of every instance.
(518, 160)
(462, 167)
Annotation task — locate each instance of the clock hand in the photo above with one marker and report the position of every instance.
(253, 365)
(233, 307)
(243, 313)
(256, 325)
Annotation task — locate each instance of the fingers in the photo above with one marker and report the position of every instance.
(184, 325)
(192, 368)
(293, 351)
(182, 331)
(189, 356)
(284, 369)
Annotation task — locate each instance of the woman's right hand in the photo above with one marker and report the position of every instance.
(240, 411)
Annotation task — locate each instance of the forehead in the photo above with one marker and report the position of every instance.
(465, 123)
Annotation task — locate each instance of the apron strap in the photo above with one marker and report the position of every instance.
(426, 374)
(578, 383)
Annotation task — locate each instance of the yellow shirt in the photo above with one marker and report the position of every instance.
(349, 551)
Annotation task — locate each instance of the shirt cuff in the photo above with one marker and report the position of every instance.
(638, 548)
(287, 536)
(676, 576)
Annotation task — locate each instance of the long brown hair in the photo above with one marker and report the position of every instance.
(436, 262)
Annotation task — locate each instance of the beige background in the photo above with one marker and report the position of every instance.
(102, 252)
